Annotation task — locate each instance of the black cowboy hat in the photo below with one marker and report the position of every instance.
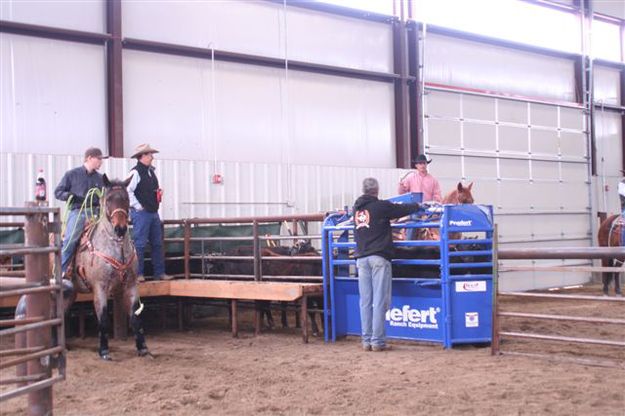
(421, 159)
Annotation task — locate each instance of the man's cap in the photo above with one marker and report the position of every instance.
(143, 149)
(94, 152)
(421, 159)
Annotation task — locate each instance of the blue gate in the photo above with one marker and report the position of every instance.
(454, 308)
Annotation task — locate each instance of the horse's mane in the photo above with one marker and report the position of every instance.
(116, 183)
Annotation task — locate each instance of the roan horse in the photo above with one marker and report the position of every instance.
(609, 235)
(106, 263)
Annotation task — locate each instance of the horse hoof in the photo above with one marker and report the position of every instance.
(106, 357)
(315, 334)
(144, 352)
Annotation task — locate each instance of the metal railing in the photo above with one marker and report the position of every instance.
(587, 253)
(256, 240)
(39, 333)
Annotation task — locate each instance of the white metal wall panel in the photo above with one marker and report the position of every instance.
(248, 188)
(337, 40)
(528, 160)
(259, 28)
(339, 121)
(53, 95)
(607, 85)
(85, 15)
(615, 8)
(168, 101)
(238, 26)
(451, 61)
(608, 139)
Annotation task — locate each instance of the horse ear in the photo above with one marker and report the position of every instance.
(106, 181)
(459, 186)
(127, 181)
(470, 186)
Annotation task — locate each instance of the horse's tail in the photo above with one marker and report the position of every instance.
(612, 228)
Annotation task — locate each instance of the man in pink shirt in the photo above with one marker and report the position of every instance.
(421, 181)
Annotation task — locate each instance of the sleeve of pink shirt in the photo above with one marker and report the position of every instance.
(436, 191)
(404, 185)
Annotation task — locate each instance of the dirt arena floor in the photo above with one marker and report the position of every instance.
(203, 370)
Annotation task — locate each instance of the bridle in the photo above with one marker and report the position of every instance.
(119, 266)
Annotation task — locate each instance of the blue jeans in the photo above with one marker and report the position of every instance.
(73, 231)
(374, 287)
(146, 227)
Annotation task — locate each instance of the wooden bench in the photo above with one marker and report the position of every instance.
(223, 289)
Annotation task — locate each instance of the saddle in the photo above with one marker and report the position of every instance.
(72, 271)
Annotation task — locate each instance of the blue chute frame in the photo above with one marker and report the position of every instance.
(455, 309)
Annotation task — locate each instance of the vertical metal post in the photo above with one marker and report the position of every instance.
(58, 278)
(622, 88)
(401, 93)
(257, 274)
(114, 78)
(445, 281)
(414, 89)
(187, 248)
(494, 346)
(36, 265)
(256, 249)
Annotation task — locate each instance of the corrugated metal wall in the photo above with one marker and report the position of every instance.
(248, 188)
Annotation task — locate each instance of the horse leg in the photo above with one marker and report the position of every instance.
(605, 276)
(313, 322)
(131, 306)
(617, 284)
(101, 310)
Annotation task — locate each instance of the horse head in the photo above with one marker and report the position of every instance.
(464, 194)
(117, 204)
(302, 246)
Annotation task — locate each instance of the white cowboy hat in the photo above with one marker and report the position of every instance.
(142, 149)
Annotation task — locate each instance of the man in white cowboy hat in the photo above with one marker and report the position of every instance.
(419, 180)
(145, 198)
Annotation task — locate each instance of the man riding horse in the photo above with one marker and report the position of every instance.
(78, 187)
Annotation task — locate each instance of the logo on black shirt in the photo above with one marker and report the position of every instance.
(362, 219)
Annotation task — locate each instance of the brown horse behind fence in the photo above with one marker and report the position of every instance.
(609, 235)
(106, 264)
(460, 195)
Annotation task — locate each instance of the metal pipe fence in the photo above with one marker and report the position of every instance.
(587, 253)
(38, 353)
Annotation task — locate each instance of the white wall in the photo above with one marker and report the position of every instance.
(462, 63)
(53, 95)
(258, 28)
(260, 114)
(84, 15)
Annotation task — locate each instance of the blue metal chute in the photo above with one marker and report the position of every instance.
(453, 309)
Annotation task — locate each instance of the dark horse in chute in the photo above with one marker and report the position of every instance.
(609, 235)
(106, 264)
